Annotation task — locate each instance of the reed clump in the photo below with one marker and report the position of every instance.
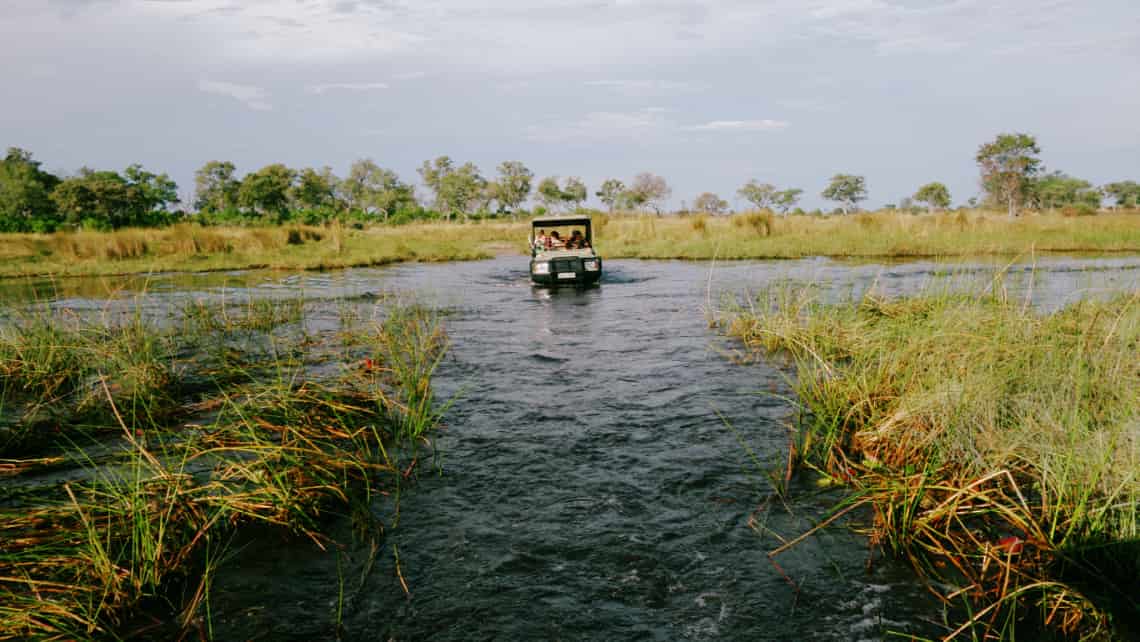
(257, 436)
(998, 448)
(60, 375)
(760, 222)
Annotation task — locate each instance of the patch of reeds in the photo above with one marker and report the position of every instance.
(746, 235)
(764, 235)
(187, 247)
(998, 448)
(61, 375)
(760, 222)
(281, 449)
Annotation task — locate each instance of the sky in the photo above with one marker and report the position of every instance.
(705, 93)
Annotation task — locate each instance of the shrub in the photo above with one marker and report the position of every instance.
(868, 221)
(1083, 209)
(763, 221)
(700, 223)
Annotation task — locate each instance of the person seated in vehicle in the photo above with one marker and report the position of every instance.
(541, 241)
(576, 241)
(555, 241)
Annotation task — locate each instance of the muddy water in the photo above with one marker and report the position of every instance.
(603, 470)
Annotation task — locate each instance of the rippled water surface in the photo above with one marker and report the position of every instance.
(601, 465)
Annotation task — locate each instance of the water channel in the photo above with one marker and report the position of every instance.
(599, 468)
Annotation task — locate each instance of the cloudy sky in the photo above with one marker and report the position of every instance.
(706, 93)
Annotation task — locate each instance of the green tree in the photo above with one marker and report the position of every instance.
(709, 203)
(1058, 189)
(611, 192)
(1124, 193)
(785, 200)
(215, 188)
(513, 185)
(549, 193)
(432, 172)
(761, 195)
(571, 193)
(99, 200)
(315, 191)
(25, 194)
(1008, 164)
(155, 192)
(489, 196)
(935, 195)
(847, 190)
(463, 189)
(266, 191)
(574, 193)
(374, 190)
(456, 189)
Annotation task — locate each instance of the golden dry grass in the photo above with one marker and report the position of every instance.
(749, 235)
(887, 234)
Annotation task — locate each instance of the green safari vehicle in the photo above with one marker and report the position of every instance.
(562, 251)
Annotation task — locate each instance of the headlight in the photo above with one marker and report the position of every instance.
(542, 268)
(590, 265)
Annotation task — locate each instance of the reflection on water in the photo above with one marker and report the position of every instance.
(594, 481)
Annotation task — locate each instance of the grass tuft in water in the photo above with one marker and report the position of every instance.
(274, 442)
(999, 447)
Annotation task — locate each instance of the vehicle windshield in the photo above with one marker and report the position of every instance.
(561, 237)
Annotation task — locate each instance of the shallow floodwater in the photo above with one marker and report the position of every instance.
(603, 471)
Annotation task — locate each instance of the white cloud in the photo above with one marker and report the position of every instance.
(346, 86)
(647, 124)
(642, 87)
(252, 97)
(764, 125)
(268, 30)
(523, 36)
(604, 125)
(837, 8)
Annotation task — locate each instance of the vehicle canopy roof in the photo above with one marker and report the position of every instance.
(557, 221)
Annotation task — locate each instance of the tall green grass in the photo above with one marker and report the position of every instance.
(762, 235)
(195, 249)
(999, 448)
(269, 441)
(748, 235)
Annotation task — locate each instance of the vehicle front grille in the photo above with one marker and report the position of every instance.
(566, 265)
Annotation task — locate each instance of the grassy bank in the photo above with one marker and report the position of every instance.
(760, 235)
(756, 235)
(998, 448)
(190, 248)
(172, 439)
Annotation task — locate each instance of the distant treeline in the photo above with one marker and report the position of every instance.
(33, 200)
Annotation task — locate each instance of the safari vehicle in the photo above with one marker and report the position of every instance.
(562, 251)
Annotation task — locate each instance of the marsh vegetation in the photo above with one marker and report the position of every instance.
(135, 446)
(749, 235)
(996, 446)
